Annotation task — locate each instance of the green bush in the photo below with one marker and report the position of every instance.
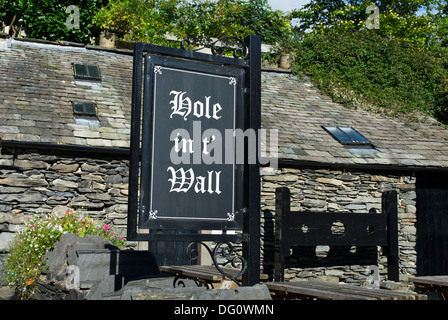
(441, 107)
(151, 20)
(46, 19)
(362, 68)
(148, 21)
(26, 258)
(135, 20)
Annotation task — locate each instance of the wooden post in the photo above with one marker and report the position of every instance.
(390, 207)
(282, 207)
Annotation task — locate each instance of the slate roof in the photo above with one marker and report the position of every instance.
(299, 110)
(37, 86)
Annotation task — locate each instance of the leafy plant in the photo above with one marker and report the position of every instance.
(210, 19)
(26, 258)
(405, 20)
(441, 107)
(134, 20)
(150, 21)
(365, 69)
(46, 19)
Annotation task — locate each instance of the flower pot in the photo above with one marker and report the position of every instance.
(285, 62)
(107, 39)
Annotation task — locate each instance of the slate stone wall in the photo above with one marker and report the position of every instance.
(34, 183)
(340, 191)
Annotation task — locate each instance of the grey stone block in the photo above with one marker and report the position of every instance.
(5, 240)
(57, 258)
(7, 293)
(95, 264)
(187, 293)
(106, 289)
(116, 287)
(257, 292)
(100, 266)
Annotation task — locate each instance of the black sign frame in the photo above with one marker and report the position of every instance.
(248, 69)
(161, 75)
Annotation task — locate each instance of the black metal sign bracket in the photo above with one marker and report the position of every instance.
(246, 58)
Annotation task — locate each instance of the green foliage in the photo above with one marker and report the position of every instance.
(441, 106)
(209, 19)
(400, 68)
(46, 19)
(440, 24)
(25, 260)
(150, 21)
(135, 20)
(272, 26)
(366, 69)
(398, 19)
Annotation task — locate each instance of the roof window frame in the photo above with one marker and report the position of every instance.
(84, 113)
(348, 136)
(88, 75)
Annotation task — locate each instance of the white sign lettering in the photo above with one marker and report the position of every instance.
(182, 181)
(182, 106)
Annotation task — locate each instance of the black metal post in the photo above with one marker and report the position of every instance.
(251, 249)
(251, 63)
(135, 141)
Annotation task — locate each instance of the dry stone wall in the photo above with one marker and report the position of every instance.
(340, 191)
(33, 183)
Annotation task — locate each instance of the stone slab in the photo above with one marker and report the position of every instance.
(7, 293)
(257, 292)
(95, 264)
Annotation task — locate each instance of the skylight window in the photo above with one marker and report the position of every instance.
(347, 135)
(86, 71)
(84, 109)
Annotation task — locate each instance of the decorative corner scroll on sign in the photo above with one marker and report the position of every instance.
(231, 215)
(153, 214)
(158, 69)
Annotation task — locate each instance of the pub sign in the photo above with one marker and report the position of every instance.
(189, 174)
